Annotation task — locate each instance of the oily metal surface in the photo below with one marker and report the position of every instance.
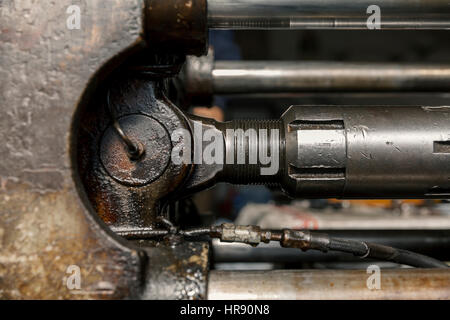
(153, 138)
(177, 270)
(44, 223)
(119, 204)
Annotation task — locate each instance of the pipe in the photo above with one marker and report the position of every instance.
(328, 14)
(313, 240)
(434, 243)
(237, 77)
(328, 284)
(379, 252)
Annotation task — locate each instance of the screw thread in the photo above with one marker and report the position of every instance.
(245, 140)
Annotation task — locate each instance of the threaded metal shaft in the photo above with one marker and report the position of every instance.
(244, 143)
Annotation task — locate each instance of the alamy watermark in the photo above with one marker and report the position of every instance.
(374, 280)
(235, 147)
(374, 20)
(73, 281)
(73, 21)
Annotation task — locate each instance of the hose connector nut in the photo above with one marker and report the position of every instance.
(244, 234)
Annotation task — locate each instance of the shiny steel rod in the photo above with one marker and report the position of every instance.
(328, 14)
(233, 77)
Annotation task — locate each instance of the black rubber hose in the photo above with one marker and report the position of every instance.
(358, 248)
(381, 252)
(401, 256)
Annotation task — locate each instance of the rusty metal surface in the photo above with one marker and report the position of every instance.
(43, 234)
(328, 284)
(49, 74)
(44, 224)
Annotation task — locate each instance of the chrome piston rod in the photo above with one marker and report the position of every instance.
(204, 77)
(327, 14)
(235, 77)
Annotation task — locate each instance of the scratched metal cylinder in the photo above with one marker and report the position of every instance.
(327, 284)
(328, 14)
(367, 152)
